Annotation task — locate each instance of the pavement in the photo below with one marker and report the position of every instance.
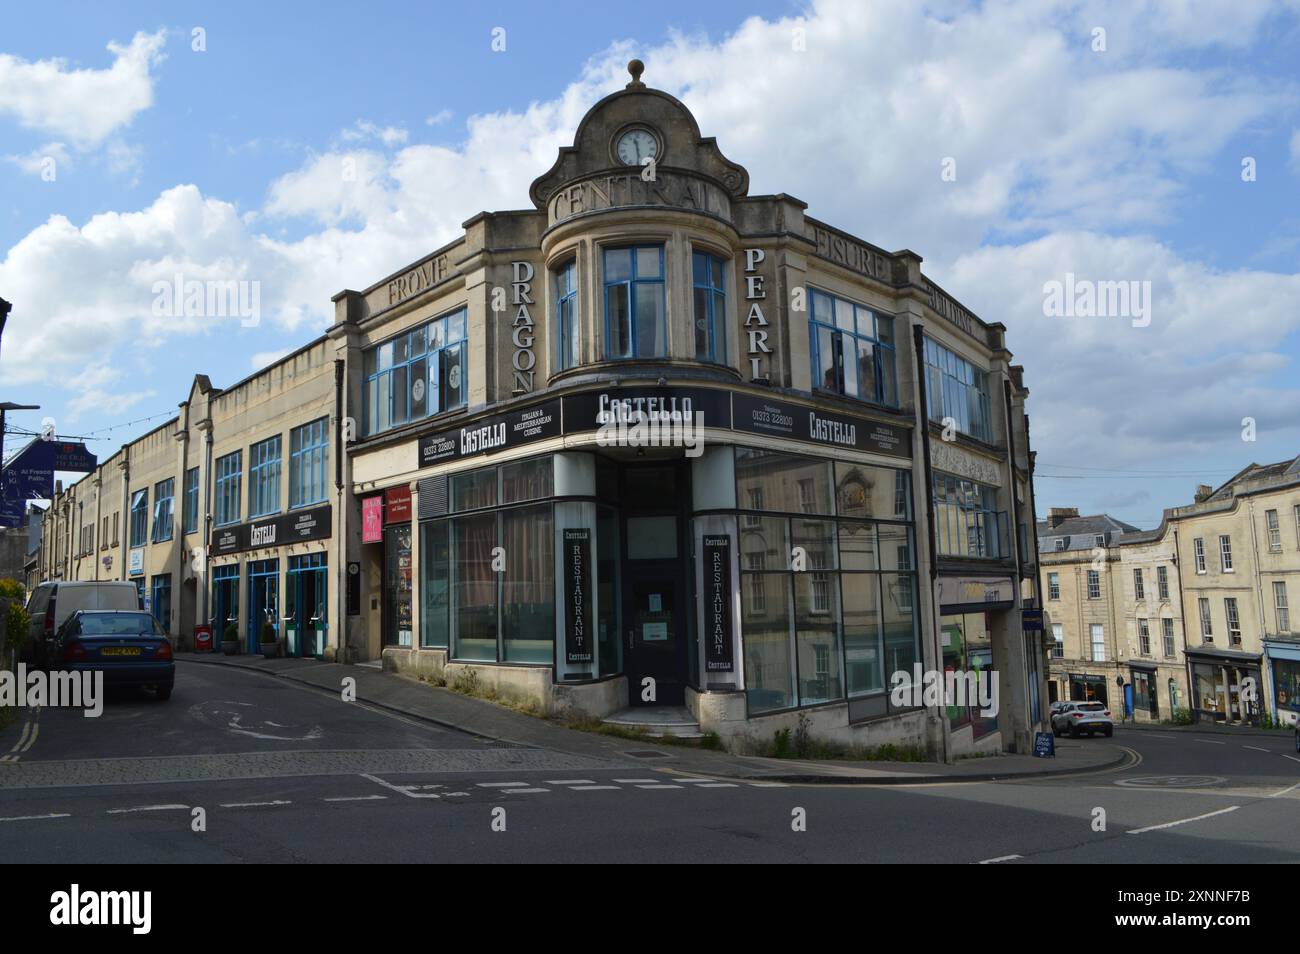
(488, 720)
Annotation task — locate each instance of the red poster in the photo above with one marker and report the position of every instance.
(372, 519)
(397, 505)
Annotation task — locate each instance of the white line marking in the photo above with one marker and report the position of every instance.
(1184, 821)
(635, 781)
(994, 861)
(36, 817)
(570, 781)
(1291, 757)
(526, 791)
(1209, 742)
(254, 804)
(36, 730)
(1289, 788)
(396, 788)
(27, 729)
(767, 784)
(1254, 748)
(455, 794)
(694, 778)
(661, 786)
(501, 784)
(595, 788)
(717, 785)
(354, 798)
(147, 808)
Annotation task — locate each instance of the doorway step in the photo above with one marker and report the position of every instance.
(657, 721)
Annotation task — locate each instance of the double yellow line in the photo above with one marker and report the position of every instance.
(31, 730)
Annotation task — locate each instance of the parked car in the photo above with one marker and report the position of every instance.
(1076, 718)
(128, 646)
(52, 602)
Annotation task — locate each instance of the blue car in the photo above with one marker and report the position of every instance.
(127, 646)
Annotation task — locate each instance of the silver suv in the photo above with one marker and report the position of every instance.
(1076, 718)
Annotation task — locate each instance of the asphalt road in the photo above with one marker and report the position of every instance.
(277, 772)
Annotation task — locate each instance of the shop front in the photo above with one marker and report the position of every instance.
(1218, 678)
(1283, 662)
(1142, 692)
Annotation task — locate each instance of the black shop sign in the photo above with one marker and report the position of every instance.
(718, 655)
(577, 595)
(299, 526)
(492, 434)
(800, 422)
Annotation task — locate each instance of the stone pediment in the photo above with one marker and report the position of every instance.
(681, 148)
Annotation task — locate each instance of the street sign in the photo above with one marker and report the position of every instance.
(1031, 620)
(1044, 745)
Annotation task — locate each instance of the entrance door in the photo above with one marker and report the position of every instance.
(306, 592)
(655, 604)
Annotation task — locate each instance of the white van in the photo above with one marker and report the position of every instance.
(53, 602)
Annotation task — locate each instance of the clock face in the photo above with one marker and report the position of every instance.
(637, 145)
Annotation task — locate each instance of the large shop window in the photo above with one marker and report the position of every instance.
(164, 493)
(139, 518)
(416, 375)
(827, 581)
(852, 350)
(264, 477)
(967, 645)
(710, 303)
(229, 487)
(308, 463)
(635, 313)
(566, 314)
(956, 389)
(967, 521)
(484, 614)
(1286, 683)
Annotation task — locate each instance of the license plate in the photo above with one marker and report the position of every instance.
(120, 651)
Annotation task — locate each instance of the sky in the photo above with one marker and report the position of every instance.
(1009, 144)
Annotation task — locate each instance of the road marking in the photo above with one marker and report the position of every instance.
(501, 784)
(255, 804)
(660, 786)
(355, 798)
(36, 817)
(768, 785)
(1209, 742)
(36, 730)
(1291, 757)
(526, 791)
(595, 788)
(635, 781)
(1289, 788)
(398, 788)
(717, 785)
(570, 781)
(1184, 821)
(147, 808)
(1001, 858)
(27, 729)
(1255, 748)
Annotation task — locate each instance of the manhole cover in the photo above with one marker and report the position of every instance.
(648, 754)
(1172, 781)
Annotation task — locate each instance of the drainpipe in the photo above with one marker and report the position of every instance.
(923, 412)
(340, 544)
(1182, 603)
(207, 524)
(1015, 537)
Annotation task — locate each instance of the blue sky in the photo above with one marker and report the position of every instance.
(1118, 164)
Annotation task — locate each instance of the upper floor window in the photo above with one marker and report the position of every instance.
(1053, 586)
(710, 303)
(1280, 604)
(190, 519)
(1162, 582)
(852, 350)
(967, 521)
(1094, 585)
(1225, 553)
(1234, 621)
(956, 389)
(635, 313)
(1139, 591)
(1167, 634)
(308, 459)
(164, 493)
(229, 485)
(139, 518)
(1198, 547)
(415, 375)
(1274, 530)
(1144, 638)
(264, 477)
(566, 314)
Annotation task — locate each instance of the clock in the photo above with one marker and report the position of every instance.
(636, 145)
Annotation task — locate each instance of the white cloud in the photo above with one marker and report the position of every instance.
(1294, 149)
(46, 161)
(438, 118)
(82, 106)
(364, 130)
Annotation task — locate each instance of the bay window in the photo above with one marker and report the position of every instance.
(710, 305)
(635, 311)
(566, 314)
(967, 521)
(956, 389)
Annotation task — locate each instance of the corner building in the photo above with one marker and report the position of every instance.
(513, 513)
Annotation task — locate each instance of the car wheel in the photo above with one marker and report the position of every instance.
(1108, 732)
(1074, 731)
(164, 693)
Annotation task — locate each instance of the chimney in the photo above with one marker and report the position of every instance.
(1058, 515)
(1203, 492)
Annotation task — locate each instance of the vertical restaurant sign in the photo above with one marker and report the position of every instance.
(577, 585)
(718, 655)
(372, 519)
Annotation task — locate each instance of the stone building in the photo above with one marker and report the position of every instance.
(652, 443)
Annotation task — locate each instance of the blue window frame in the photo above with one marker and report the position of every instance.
(164, 493)
(416, 375)
(956, 389)
(264, 477)
(852, 350)
(967, 521)
(566, 314)
(139, 518)
(190, 517)
(710, 293)
(308, 463)
(229, 485)
(161, 607)
(635, 312)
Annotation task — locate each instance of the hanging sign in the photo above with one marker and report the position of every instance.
(577, 600)
(718, 655)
